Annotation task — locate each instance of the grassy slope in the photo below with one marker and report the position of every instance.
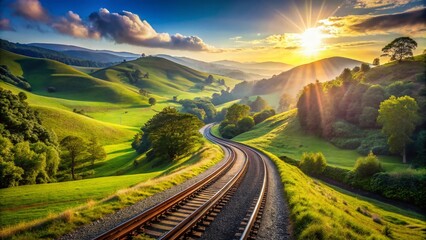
(282, 135)
(69, 82)
(25, 203)
(322, 212)
(166, 78)
(319, 211)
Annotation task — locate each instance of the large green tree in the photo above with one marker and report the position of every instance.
(258, 104)
(95, 151)
(169, 133)
(398, 116)
(74, 149)
(400, 48)
(236, 112)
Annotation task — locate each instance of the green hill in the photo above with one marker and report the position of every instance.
(68, 82)
(166, 78)
(283, 136)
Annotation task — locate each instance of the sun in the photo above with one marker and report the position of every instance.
(311, 41)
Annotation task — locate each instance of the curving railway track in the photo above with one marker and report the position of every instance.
(227, 204)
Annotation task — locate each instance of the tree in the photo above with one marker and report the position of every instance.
(398, 116)
(285, 102)
(74, 149)
(95, 151)
(399, 49)
(258, 104)
(237, 112)
(209, 80)
(365, 67)
(376, 62)
(245, 124)
(177, 136)
(152, 101)
(346, 75)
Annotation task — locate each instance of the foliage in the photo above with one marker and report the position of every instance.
(367, 119)
(400, 48)
(368, 166)
(262, 116)
(236, 112)
(408, 186)
(245, 124)
(398, 116)
(95, 151)
(259, 104)
(152, 101)
(365, 67)
(313, 163)
(229, 131)
(19, 122)
(285, 103)
(74, 150)
(200, 107)
(28, 150)
(169, 133)
(7, 76)
(376, 62)
(209, 80)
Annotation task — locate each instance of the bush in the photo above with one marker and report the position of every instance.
(262, 116)
(245, 124)
(229, 131)
(345, 129)
(336, 173)
(374, 141)
(346, 143)
(368, 117)
(408, 186)
(313, 163)
(368, 166)
(290, 161)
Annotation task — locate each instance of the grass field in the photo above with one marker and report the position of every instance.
(322, 212)
(283, 136)
(26, 203)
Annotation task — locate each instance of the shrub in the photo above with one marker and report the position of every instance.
(408, 186)
(335, 173)
(368, 166)
(313, 163)
(290, 160)
(346, 143)
(368, 117)
(245, 124)
(262, 116)
(229, 131)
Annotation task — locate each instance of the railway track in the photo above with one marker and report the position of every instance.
(187, 214)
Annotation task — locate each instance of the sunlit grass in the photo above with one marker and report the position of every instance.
(283, 136)
(86, 200)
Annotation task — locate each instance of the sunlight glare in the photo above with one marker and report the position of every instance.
(311, 40)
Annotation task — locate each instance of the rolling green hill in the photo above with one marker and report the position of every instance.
(166, 78)
(69, 83)
(283, 136)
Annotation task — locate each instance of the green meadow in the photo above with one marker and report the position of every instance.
(283, 136)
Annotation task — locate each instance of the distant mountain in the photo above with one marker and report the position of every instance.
(103, 56)
(294, 79)
(213, 68)
(63, 48)
(262, 68)
(39, 52)
(97, 56)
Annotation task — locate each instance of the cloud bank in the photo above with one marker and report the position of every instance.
(410, 22)
(124, 27)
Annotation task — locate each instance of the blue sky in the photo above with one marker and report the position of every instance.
(249, 30)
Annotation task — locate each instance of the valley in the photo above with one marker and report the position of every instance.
(221, 120)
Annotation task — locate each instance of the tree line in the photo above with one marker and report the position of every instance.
(29, 152)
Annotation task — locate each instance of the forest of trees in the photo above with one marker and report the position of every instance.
(29, 152)
(346, 111)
